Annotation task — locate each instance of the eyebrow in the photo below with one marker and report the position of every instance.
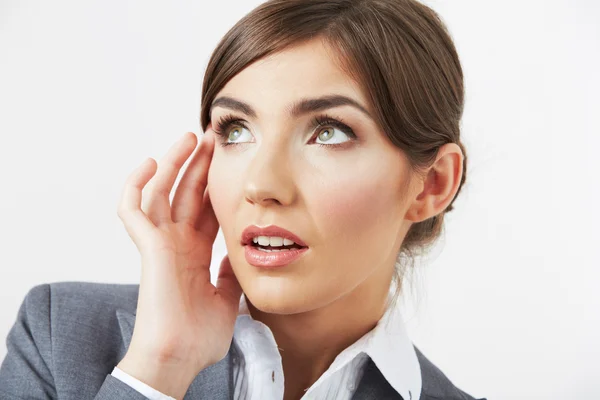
(303, 106)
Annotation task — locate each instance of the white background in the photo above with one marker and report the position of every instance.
(507, 305)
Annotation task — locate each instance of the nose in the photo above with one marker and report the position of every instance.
(269, 177)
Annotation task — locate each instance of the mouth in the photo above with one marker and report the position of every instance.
(271, 246)
(271, 237)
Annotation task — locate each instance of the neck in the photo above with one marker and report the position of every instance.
(310, 341)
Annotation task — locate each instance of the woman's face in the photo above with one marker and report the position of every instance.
(344, 193)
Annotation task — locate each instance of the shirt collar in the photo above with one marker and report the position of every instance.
(392, 351)
(388, 345)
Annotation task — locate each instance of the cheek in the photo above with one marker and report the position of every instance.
(358, 213)
(355, 202)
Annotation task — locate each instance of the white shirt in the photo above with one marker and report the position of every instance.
(258, 370)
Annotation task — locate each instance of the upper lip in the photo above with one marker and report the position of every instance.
(253, 231)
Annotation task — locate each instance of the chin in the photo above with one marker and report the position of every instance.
(275, 298)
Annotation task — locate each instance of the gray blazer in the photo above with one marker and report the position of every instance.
(68, 337)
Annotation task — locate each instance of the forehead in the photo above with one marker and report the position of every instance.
(306, 70)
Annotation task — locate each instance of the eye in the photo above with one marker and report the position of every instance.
(327, 133)
(228, 135)
(332, 131)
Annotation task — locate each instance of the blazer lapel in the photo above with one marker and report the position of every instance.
(126, 322)
(374, 386)
(214, 382)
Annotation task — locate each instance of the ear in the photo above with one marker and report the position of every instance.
(437, 190)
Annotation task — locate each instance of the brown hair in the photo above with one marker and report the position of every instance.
(398, 51)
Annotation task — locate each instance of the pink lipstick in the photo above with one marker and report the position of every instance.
(271, 246)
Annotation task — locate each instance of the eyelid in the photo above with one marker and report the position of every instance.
(323, 120)
(225, 121)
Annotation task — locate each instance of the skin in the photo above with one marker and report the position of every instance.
(351, 205)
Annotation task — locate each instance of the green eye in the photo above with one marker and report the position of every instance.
(230, 129)
(332, 131)
(236, 134)
(330, 135)
(327, 136)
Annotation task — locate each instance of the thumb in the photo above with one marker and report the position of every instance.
(227, 283)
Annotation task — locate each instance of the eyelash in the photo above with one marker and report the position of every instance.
(226, 121)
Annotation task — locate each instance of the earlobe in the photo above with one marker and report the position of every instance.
(421, 209)
(413, 214)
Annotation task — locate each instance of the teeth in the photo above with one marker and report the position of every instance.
(273, 241)
(271, 250)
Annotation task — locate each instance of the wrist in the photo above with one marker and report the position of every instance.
(171, 379)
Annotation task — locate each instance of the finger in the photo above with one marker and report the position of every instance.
(227, 283)
(207, 223)
(158, 207)
(137, 224)
(188, 200)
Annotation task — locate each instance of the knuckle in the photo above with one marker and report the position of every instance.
(161, 191)
(122, 212)
(157, 196)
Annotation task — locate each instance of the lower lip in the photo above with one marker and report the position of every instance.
(273, 259)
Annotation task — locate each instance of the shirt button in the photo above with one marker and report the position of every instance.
(351, 386)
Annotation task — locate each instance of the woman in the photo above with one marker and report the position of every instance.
(331, 154)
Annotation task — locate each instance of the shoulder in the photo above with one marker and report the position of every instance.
(67, 336)
(74, 313)
(75, 298)
(70, 312)
(436, 385)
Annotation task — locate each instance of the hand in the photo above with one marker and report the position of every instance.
(184, 323)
